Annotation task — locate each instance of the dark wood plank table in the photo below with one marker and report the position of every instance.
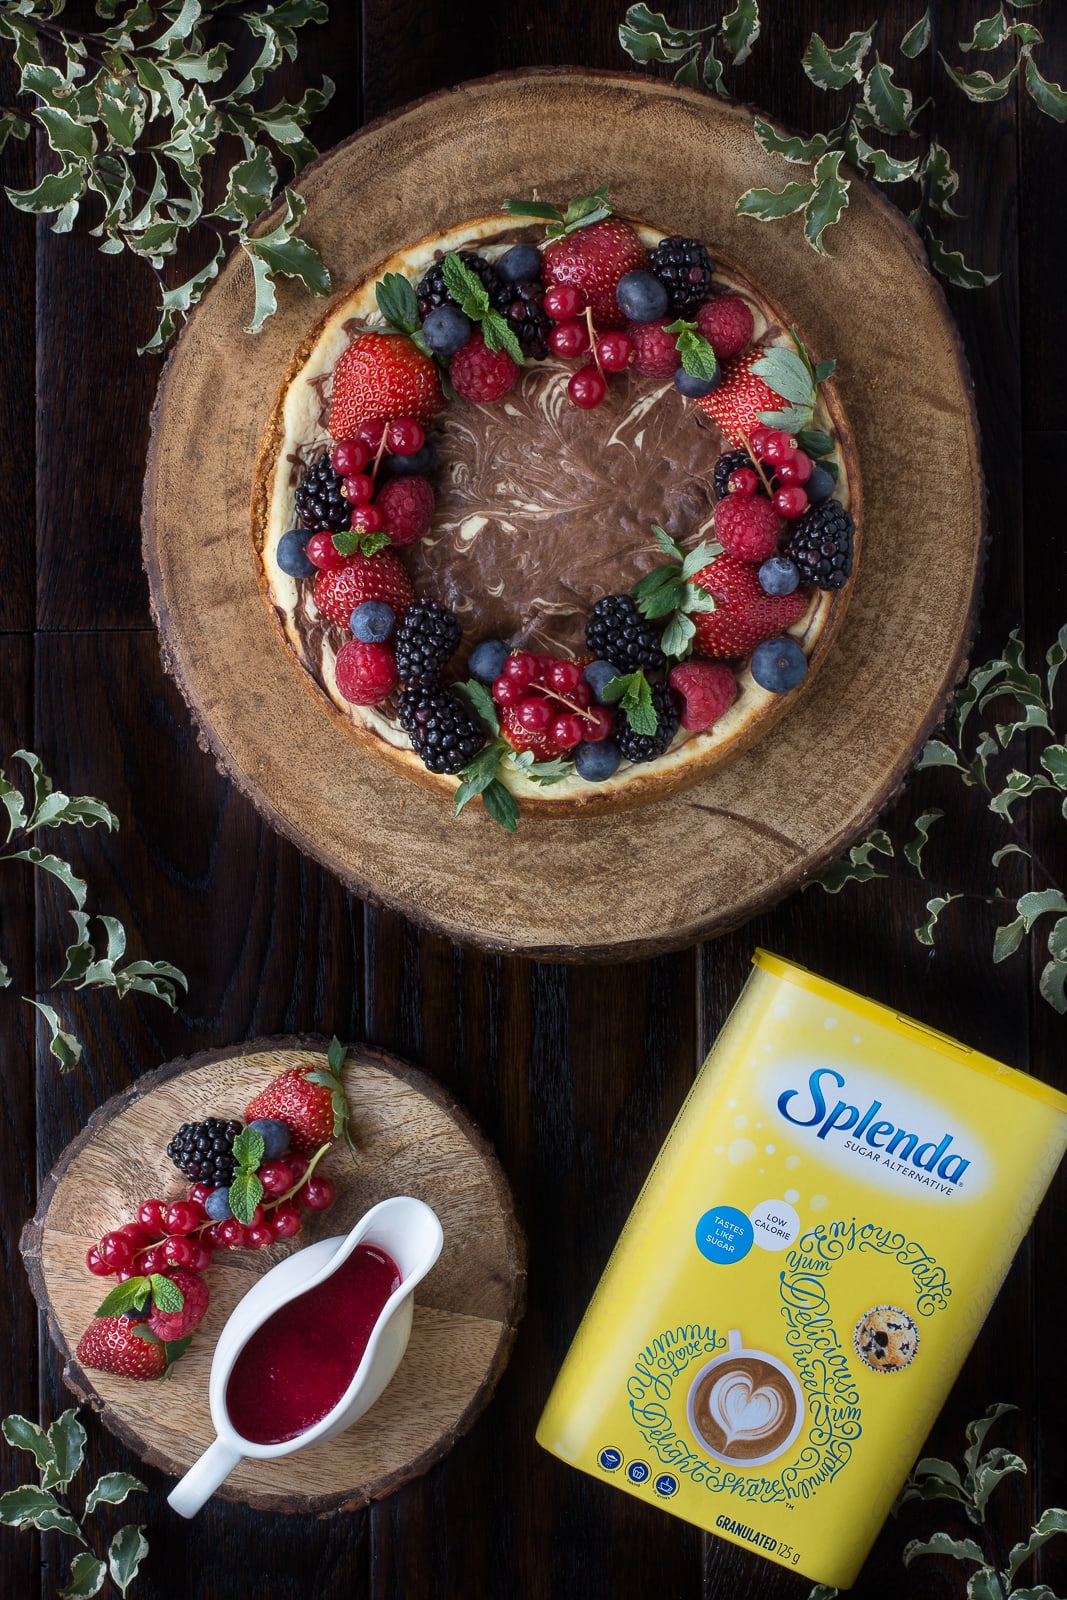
(573, 1072)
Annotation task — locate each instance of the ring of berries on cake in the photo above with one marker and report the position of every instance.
(558, 513)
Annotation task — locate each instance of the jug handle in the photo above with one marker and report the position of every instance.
(203, 1478)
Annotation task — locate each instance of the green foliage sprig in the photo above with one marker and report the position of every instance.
(60, 1454)
(481, 774)
(48, 807)
(134, 113)
(990, 1577)
(878, 106)
(1027, 702)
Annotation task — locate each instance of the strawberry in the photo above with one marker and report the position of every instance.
(113, 1344)
(708, 689)
(171, 1325)
(310, 1100)
(744, 615)
(747, 526)
(736, 404)
(365, 673)
(382, 576)
(382, 375)
(594, 259)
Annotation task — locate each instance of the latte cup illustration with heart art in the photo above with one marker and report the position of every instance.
(745, 1407)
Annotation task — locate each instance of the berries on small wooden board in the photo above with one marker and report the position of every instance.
(144, 1324)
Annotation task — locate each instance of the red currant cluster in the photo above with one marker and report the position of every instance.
(575, 335)
(358, 460)
(178, 1234)
(790, 471)
(549, 699)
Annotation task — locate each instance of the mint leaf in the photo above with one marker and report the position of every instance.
(166, 1296)
(498, 336)
(533, 208)
(128, 1296)
(547, 772)
(465, 288)
(397, 302)
(696, 353)
(480, 702)
(814, 442)
(480, 772)
(634, 695)
(501, 805)
(580, 213)
(248, 1149)
(245, 1193)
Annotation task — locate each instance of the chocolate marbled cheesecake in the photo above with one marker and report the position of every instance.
(541, 510)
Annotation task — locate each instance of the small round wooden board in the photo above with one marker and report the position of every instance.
(658, 877)
(412, 1140)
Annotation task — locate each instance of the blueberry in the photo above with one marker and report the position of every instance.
(487, 660)
(695, 388)
(292, 554)
(133, 1315)
(596, 762)
(422, 461)
(274, 1133)
(372, 623)
(520, 264)
(640, 296)
(820, 486)
(778, 576)
(446, 330)
(779, 665)
(597, 674)
(217, 1205)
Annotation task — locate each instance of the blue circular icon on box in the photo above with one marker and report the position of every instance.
(610, 1460)
(666, 1485)
(638, 1472)
(724, 1235)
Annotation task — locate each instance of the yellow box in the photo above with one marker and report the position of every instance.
(804, 1272)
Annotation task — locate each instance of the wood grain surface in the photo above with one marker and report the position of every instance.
(574, 1073)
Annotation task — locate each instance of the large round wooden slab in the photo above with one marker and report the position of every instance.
(412, 1140)
(705, 859)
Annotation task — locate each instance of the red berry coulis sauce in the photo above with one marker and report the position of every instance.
(296, 1367)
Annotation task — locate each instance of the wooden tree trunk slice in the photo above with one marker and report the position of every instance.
(701, 861)
(412, 1140)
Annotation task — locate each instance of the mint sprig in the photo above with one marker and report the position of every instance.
(480, 703)
(694, 351)
(471, 296)
(246, 1189)
(134, 1294)
(479, 777)
(397, 302)
(580, 213)
(350, 542)
(633, 692)
(668, 592)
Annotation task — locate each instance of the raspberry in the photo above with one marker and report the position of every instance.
(365, 673)
(747, 527)
(168, 1325)
(727, 324)
(377, 577)
(708, 689)
(406, 505)
(655, 350)
(481, 374)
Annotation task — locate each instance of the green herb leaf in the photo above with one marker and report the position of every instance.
(501, 805)
(1053, 988)
(767, 205)
(87, 1574)
(166, 1296)
(473, 300)
(480, 772)
(889, 104)
(248, 1149)
(112, 1489)
(914, 848)
(815, 443)
(499, 336)
(533, 208)
(917, 38)
(670, 546)
(789, 145)
(29, 1506)
(633, 693)
(740, 28)
(128, 1549)
(480, 702)
(397, 302)
(56, 868)
(545, 772)
(856, 866)
(836, 69)
(883, 167)
(829, 200)
(1051, 98)
(245, 1193)
(22, 1434)
(129, 1296)
(981, 87)
(1008, 938)
(335, 1057)
(696, 353)
(65, 1047)
(925, 931)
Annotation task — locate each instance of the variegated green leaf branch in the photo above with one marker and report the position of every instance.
(137, 112)
(59, 1455)
(879, 107)
(43, 807)
(1006, 701)
(648, 37)
(984, 1575)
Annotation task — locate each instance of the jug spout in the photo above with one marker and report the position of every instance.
(203, 1478)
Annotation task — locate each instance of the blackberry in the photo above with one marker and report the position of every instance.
(684, 268)
(432, 293)
(426, 641)
(732, 462)
(319, 501)
(204, 1150)
(647, 746)
(821, 545)
(528, 320)
(617, 632)
(443, 732)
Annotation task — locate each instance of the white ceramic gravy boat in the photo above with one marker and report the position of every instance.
(409, 1232)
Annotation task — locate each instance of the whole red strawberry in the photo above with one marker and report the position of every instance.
(727, 324)
(594, 259)
(310, 1100)
(169, 1325)
(382, 576)
(655, 350)
(365, 673)
(708, 689)
(736, 404)
(406, 505)
(480, 374)
(747, 526)
(744, 614)
(382, 375)
(112, 1344)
